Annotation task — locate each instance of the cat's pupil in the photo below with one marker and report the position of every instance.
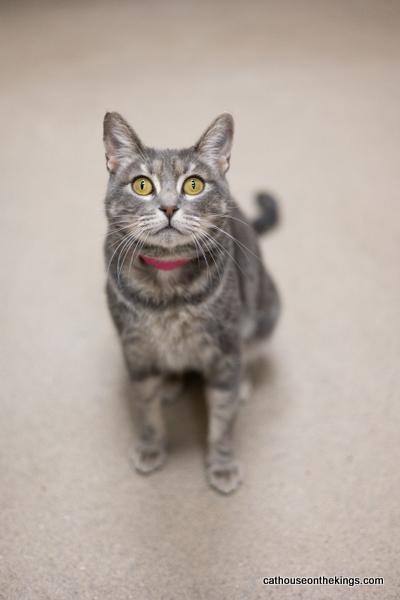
(142, 184)
(193, 184)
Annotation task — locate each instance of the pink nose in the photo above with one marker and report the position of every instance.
(169, 210)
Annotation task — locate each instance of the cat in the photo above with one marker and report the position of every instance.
(186, 286)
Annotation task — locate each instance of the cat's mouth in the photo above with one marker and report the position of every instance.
(170, 236)
(168, 227)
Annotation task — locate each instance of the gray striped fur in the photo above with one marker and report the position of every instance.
(201, 316)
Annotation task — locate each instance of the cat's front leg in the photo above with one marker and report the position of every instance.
(149, 453)
(223, 398)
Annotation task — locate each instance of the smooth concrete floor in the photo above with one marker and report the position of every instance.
(315, 91)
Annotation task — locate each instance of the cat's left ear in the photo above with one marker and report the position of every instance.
(216, 142)
(121, 143)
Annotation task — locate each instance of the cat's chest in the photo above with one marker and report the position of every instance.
(177, 339)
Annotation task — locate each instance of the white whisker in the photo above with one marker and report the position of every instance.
(235, 240)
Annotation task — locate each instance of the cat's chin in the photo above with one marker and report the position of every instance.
(170, 238)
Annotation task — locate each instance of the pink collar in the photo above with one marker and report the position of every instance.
(164, 265)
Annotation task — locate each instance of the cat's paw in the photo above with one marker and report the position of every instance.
(146, 459)
(224, 477)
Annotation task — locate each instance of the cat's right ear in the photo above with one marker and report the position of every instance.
(120, 141)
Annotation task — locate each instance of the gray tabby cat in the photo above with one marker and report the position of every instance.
(185, 283)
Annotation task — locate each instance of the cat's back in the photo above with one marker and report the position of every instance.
(259, 295)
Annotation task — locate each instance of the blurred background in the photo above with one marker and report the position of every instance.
(315, 91)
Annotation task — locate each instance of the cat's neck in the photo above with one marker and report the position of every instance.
(191, 281)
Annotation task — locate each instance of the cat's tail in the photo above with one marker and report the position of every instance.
(268, 213)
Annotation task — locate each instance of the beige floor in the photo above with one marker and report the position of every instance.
(315, 90)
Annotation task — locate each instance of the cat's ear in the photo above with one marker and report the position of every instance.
(120, 141)
(216, 142)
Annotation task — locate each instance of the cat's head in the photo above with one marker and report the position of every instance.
(167, 198)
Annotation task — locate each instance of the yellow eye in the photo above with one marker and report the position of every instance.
(193, 186)
(142, 186)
